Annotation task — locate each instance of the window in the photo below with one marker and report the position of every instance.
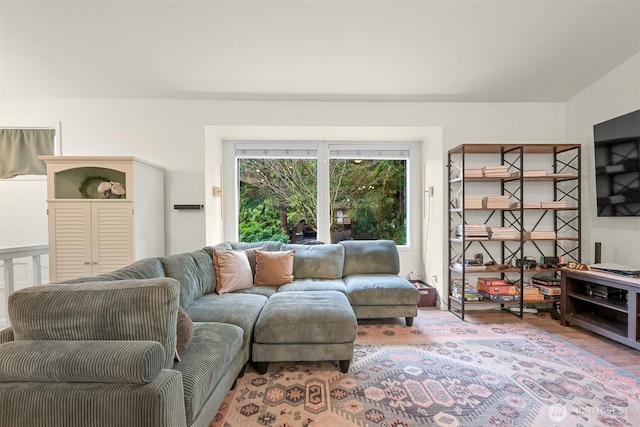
(302, 192)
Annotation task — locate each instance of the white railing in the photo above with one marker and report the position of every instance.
(7, 256)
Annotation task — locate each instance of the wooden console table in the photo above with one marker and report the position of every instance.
(604, 303)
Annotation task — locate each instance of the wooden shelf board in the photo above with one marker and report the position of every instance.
(620, 306)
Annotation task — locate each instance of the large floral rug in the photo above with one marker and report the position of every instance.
(441, 374)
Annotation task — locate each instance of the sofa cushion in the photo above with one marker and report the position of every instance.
(139, 310)
(274, 268)
(317, 261)
(271, 245)
(213, 348)
(380, 289)
(215, 308)
(314, 285)
(209, 249)
(266, 291)
(104, 361)
(370, 257)
(147, 268)
(233, 271)
(194, 270)
(306, 318)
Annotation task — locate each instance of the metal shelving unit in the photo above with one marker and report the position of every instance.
(561, 183)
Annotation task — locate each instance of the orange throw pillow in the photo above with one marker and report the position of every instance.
(274, 268)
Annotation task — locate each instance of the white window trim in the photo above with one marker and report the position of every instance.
(323, 151)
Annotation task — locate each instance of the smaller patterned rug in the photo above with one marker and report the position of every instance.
(441, 374)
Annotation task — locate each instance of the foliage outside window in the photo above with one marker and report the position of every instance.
(275, 194)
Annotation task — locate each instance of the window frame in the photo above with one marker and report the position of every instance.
(388, 150)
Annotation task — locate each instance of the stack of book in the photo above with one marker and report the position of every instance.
(473, 173)
(496, 202)
(531, 294)
(473, 202)
(526, 205)
(473, 230)
(556, 204)
(496, 289)
(539, 235)
(470, 292)
(498, 171)
(547, 285)
(504, 233)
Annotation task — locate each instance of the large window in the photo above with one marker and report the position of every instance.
(309, 192)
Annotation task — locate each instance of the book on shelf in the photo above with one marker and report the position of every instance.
(472, 230)
(467, 296)
(473, 202)
(531, 294)
(473, 173)
(504, 233)
(556, 204)
(500, 298)
(538, 281)
(468, 289)
(497, 289)
(547, 279)
(492, 281)
(547, 290)
(458, 267)
(495, 202)
(497, 171)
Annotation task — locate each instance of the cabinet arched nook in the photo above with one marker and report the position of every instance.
(104, 213)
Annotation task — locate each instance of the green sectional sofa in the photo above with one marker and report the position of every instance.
(99, 351)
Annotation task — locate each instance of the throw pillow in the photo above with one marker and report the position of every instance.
(274, 268)
(251, 255)
(233, 271)
(184, 332)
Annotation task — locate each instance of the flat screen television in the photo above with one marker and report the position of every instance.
(617, 162)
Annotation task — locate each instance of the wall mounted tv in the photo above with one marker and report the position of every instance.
(617, 161)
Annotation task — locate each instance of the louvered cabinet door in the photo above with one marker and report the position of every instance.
(69, 240)
(112, 235)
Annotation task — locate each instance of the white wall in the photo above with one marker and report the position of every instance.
(171, 133)
(616, 93)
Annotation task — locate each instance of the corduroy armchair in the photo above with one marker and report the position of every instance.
(92, 354)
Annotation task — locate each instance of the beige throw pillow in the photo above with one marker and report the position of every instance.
(233, 271)
(274, 268)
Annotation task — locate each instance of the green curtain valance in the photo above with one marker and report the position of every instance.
(20, 148)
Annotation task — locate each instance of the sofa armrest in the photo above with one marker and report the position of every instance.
(6, 335)
(133, 362)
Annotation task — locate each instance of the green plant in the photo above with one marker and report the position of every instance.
(84, 185)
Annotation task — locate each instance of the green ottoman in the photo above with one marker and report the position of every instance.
(305, 326)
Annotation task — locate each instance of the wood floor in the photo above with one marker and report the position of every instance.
(615, 353)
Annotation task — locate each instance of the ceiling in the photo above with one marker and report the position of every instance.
(395, 50)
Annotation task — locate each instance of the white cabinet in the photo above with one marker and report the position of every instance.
(90, 234)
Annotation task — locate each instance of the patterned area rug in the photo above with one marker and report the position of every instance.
(441, 374)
